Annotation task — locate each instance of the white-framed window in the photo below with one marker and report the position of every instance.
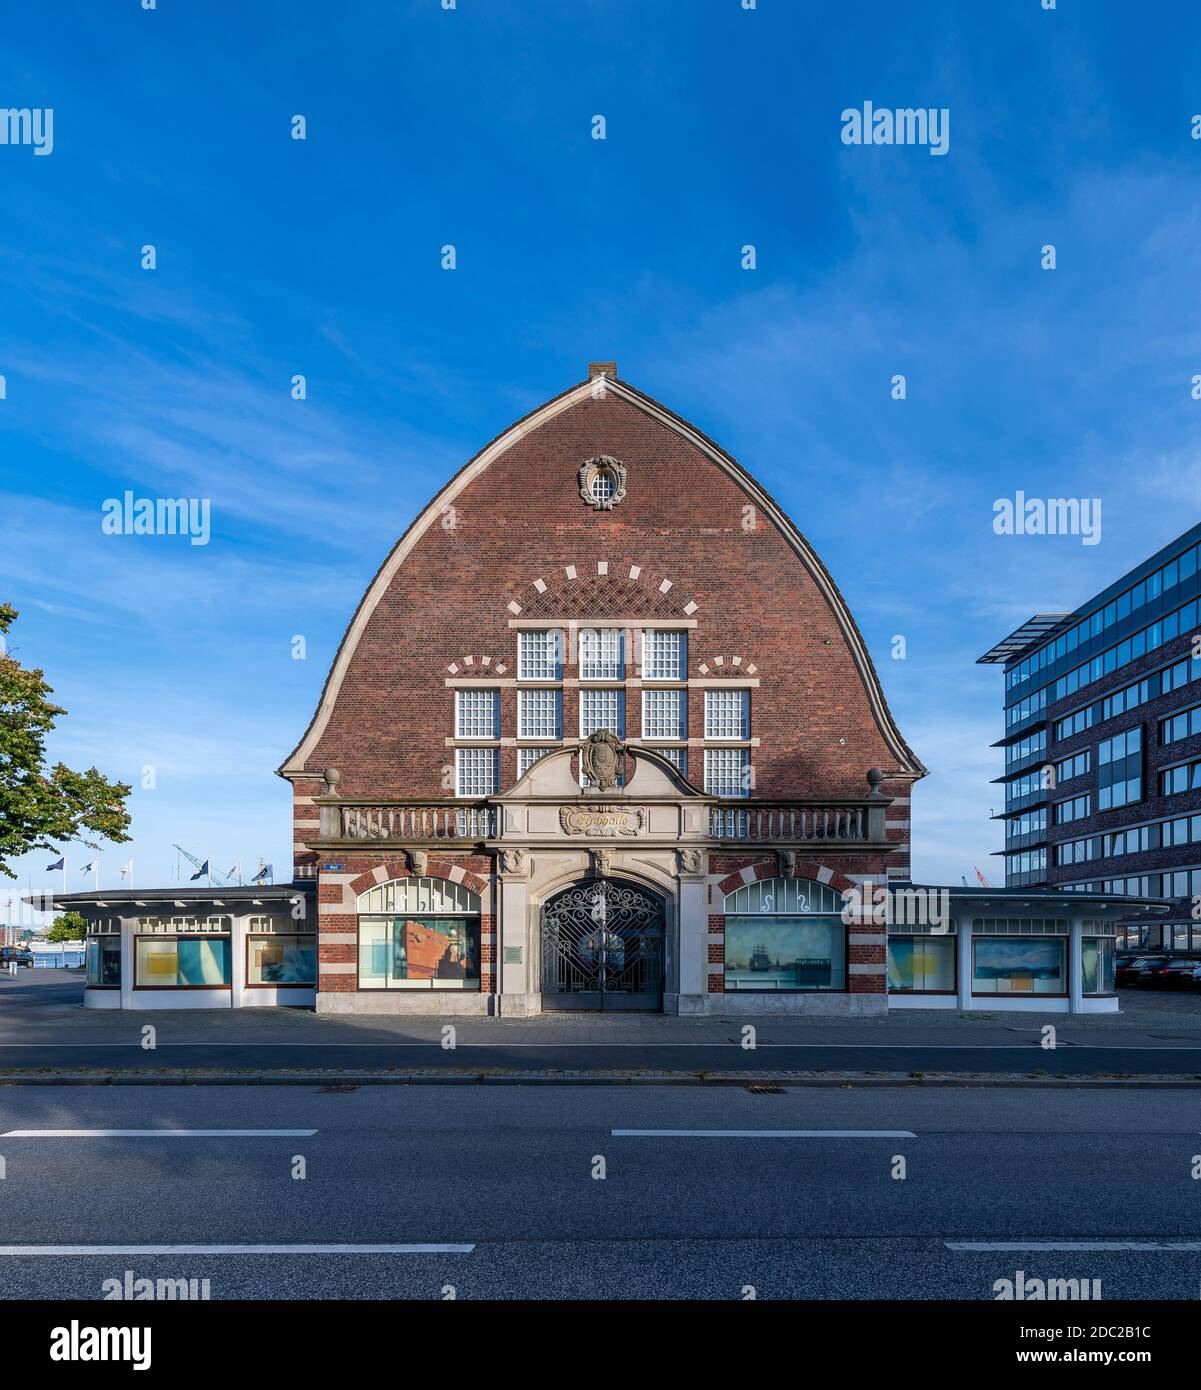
(540, 655)
(601, 654)
(602, 709)
(726, 771)
(538, 714)
(664, 714)
(603, 485)
(679, 756)
(527, 757)
(727, 713)
(476, 771)
(664, 655)
(477, 713)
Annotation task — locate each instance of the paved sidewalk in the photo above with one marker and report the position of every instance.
(44, 1028)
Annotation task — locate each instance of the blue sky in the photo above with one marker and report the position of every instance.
(473, 127)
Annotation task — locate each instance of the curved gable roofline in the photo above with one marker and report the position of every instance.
(294, 764)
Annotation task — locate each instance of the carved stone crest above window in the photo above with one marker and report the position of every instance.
(603, 482)
(600, 759)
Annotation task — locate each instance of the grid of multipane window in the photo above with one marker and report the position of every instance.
(1026, 824)
(1075, 766)
(475, 771)
(1120, 769)
(1075, 808)
(600, 654)
(539, 655)
(664, 655)
(679, 756)
(664, 714)
(601, 709)
(1182, 725)
(527, 757)
(478, 714)
(538, 713)
(1186, 777)
(725, 771)
(726, 713)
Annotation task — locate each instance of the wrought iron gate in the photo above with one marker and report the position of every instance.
(602, 948)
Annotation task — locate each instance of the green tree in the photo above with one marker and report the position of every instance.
(41, 806)
(68, 926)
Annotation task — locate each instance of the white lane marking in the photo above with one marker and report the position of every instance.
(1037, 1245)
(157, 1133)
(236, 1249)
(716, 1042)
(762, 1134)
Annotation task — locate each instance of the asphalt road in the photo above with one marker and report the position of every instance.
(511, 1175)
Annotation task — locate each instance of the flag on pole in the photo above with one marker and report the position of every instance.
(262, 874)
(200, 872)
(235, 871)
(87, 868)
(58, 864)
(127, 868)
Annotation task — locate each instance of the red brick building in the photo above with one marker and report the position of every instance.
(601, 733)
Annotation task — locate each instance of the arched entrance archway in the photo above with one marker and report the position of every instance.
(602, 947)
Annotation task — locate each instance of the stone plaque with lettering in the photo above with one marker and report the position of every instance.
(608, 821)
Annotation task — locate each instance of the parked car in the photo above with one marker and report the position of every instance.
(1128, 972)
(21, 954)
(1197, 974)
(1167, 974)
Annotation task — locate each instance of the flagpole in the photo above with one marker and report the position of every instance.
(64, 873)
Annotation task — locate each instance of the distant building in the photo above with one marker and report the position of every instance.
(1102, 780)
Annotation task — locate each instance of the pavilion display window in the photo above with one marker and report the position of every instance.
(785, 936)
(1015, 959)
(1097, 964)
(922, 964)
(280, 960)
(181, 953)
(103, 958)
(419, 934)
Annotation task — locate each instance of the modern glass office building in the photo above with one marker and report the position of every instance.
(1102, 744)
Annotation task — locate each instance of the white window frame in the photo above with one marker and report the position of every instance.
(468, 760)
(655, 730)
(466, 721)
(527, 757)
(605, 694)
(713, 714)
(677, 756)
(602, 654)
(531, 712)
(652, 654)
(714, 756)
(532, 665)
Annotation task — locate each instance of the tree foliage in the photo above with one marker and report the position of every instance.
(68, 926)
(42, 807)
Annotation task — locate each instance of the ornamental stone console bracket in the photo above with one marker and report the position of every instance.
(418, 862)
(514, 863)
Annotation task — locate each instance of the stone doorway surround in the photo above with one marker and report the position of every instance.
(650, 831)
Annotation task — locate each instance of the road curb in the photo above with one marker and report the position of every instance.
(710, 1079)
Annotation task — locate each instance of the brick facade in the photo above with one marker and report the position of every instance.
(695, 544)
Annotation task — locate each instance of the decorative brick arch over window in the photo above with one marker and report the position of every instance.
(436, 868)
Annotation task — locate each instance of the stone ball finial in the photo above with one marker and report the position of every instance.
(874, 777)
(332, 777)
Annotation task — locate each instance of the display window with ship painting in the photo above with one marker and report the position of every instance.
(419, 934)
